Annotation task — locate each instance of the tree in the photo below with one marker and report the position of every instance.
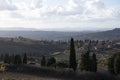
(7, 58)
(117, 64)
(111, 65)
(1, 57)
(43, 61)
(17, 59)
(94, 63)
(72, 58)
(51, 62)
(12, 57)
(86, 62)
(62, 64)
(25, 59)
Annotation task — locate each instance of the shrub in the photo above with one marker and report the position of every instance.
(62, 65)
(51, 62)
(43, 61)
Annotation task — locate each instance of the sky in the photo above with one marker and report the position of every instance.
(60, 15)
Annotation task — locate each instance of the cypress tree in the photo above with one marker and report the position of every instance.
(17, 59)
(114, 64)
(89, 61)
(94, 63)
(7, 58)
(1, 57)
(72, 58)
(43, 61)
(82, 64)
(12, 58)
(86, 62)
(25, 59)
(111, 61)
(117, 64)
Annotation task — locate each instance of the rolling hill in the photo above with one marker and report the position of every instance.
(29, 46)
(8, 44)
(57, 35)
(41, 35)
(104, 35)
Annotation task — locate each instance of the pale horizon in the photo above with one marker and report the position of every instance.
(60, 30)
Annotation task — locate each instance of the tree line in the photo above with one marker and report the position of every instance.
(14, 59)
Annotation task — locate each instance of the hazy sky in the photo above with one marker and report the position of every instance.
(60, 15)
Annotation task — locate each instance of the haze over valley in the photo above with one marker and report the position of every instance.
(62, 35)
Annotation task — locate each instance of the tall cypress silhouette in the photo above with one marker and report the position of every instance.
(43, 61)
(94, 63)
(111, 65)
(85, 61)
(25, 59)
(17, 59)
(72, 58)
(117, 64)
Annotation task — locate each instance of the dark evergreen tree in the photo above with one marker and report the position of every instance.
(114, 64)
(72, 58)
(11, 58)
(117, 64)
(1, 57)
(62, 64)
(51, 62)
(25, 59)
(17, 59)
(86, 62)
(7, 58)
(43, 61)
(94, 63)
(82, 64)
(111, 65)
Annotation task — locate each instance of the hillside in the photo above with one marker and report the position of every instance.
(57, 35)
(41, 35)
(24, 45)
(104, 35)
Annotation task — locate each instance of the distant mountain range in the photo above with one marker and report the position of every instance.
(57, 35)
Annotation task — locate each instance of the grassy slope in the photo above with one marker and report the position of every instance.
(39, 73)
(18, 76)
(29, 46)
(104, 35)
